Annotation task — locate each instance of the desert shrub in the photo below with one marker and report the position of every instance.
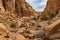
(26, 30)
(45, 17)
(51, 15)
(57, 11)
(13, 25)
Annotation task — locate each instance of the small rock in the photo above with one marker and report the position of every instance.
(39, 34)
(3, 32)
(12, 35)
(20, 37)
(38, 39)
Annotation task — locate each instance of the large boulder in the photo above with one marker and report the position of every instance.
(3, 27)
(54, 27)
(39, 34)
(3, 32)
(53, 36)
(16, 36)
(20, 37)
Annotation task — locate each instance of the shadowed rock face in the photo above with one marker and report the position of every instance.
(52, 6)
(17, 6)
(10, 5)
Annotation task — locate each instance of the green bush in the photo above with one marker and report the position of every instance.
(26, 30)
(13, 25)
(45, 17)
(51, 15)
(57, 11)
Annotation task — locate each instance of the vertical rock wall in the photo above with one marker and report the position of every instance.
(2, 10)
(17, 6)
(52, 6)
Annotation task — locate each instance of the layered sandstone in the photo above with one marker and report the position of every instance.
(52, 6)
(18, 7)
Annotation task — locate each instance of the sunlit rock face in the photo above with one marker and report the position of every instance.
(1, 7)
(19, 7)
(52, 6)
(10, 4)
(24, 8)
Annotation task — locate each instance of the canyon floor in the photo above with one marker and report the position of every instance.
(19, 21)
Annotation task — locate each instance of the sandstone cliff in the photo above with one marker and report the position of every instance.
(18, 7)
(52, 6)
(19, 21)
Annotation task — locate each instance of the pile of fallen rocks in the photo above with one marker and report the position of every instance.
(51, 32)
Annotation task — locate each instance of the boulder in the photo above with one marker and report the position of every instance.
(3, 27)
(3, 30)
(53, 27)
(20, 37)
(12, 35)
(53, 36)
(39, 34)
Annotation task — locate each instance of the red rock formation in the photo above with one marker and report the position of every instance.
(1, 7)
(20, 7)
(52, 6)
(23, 8)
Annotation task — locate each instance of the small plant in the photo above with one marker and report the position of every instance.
(45, 17)
(13, 25)
(26, 30)
(51, 15)
(57, 11)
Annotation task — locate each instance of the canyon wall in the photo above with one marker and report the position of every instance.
(52, 6)
(18, 7)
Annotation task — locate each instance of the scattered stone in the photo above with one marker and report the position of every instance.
(39, 34)
(20, 37)
(38, 39)
(3, 32)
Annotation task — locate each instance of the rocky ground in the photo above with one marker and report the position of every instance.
(22, 22)
(29, 28)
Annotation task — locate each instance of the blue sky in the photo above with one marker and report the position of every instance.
(38, 5)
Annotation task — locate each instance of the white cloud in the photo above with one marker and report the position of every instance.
(42, 3)
(37, 5)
